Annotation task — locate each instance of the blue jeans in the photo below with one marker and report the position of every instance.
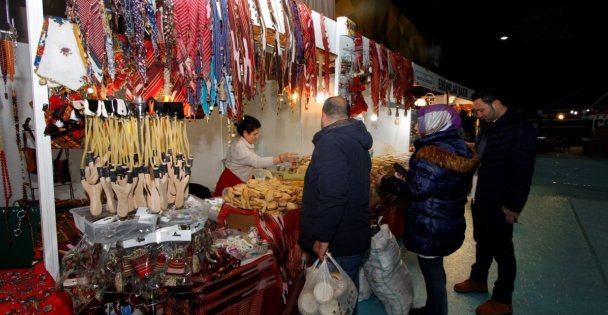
(434, 280)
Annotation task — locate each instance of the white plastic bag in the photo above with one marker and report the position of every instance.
(387, 275)
(365, 291)
(328, 290)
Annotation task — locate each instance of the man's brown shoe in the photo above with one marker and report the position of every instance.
(491, 307)
(468, 286)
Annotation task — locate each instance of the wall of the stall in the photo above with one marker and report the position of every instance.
(285, 129)
(22, 85)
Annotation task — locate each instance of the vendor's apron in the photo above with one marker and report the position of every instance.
(227, 179)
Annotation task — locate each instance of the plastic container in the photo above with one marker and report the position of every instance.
(109, 228)
(194, 212)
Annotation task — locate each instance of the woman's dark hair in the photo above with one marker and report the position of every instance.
(248, 124)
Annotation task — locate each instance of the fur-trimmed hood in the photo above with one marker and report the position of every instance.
(447, 159)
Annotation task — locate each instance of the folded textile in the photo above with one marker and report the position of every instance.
(60, 57)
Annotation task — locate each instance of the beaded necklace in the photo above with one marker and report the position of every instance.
(6, 181)
(3, 61)
(7, 60)
(18, 140)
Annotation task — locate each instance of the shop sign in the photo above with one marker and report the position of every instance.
(435, 82)
(425, 78)
(453, 88)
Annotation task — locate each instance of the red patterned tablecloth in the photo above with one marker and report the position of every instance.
(282, 233)
(31, 291)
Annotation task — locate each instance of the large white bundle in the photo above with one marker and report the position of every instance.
(387, 275)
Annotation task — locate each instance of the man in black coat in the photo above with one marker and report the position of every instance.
(507, 146)
(335, 205)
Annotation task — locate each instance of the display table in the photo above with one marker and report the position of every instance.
(31, 291)
(250, 289)
(281, 232)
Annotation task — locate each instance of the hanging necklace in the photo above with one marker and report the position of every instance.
(4, 66)
(6, 181)
(10, 58)
(18, 140)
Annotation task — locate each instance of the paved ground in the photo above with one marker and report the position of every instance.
(561, 245)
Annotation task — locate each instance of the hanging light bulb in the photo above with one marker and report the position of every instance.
(294, 96)
(90, 90)
(320, 97)
(420, 102)
(397, 114)
(452, 100)
(374, 117)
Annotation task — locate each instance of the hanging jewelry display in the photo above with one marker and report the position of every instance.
(18, 141)
(6, 180)
(7, 60)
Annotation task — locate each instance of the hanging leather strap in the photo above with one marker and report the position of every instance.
(325, 55)
(277, 51)
(384, 74)
(261, 56)
(26, 127)
(375, 75)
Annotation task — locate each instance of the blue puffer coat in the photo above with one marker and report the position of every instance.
(437, 185)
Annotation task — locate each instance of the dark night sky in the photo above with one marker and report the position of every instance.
(552, 59)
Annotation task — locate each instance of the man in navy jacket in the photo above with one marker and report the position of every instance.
(507, 146)
(335, 205)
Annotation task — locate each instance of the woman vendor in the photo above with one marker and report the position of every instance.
(241, 159)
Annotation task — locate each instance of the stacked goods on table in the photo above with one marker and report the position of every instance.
(295, 172)
(383, 165)
(132, 162)
(145, 254)
(273, 195)
(244, 246)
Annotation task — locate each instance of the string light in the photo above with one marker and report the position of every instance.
(374, 117)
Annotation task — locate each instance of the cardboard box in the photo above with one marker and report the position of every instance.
(241, 222)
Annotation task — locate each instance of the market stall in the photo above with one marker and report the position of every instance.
(155, 89)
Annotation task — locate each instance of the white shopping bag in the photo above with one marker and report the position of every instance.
(328, 290)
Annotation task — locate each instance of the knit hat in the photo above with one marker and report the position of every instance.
(436, 118)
